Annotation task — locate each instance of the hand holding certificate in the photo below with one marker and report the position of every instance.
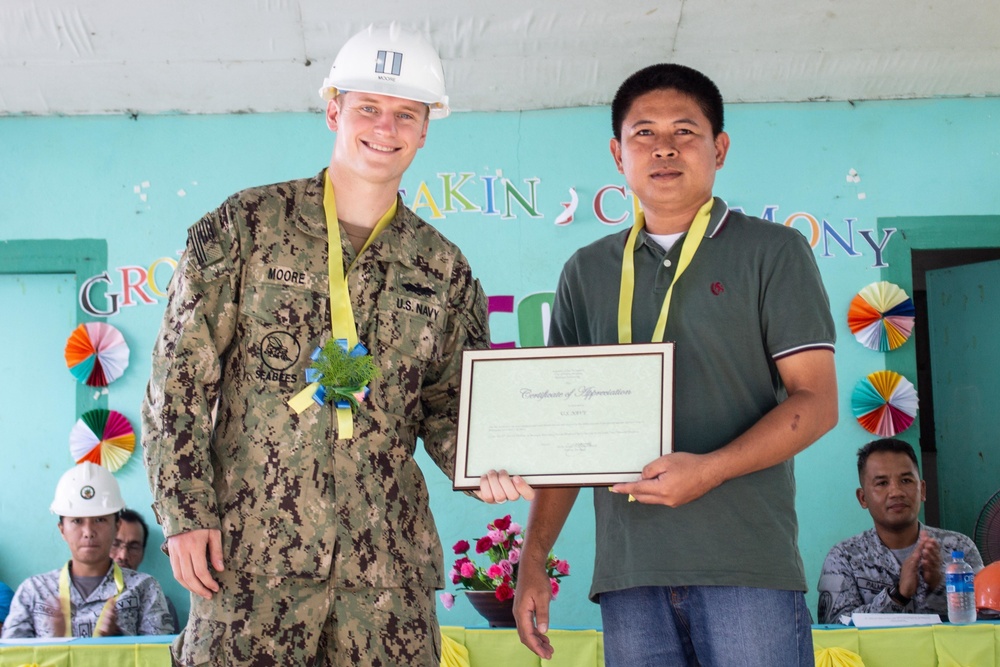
(498, 486)
(570, 416)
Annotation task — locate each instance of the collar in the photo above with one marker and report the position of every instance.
(107, 575)
(878, 538)
(311, 218)
(394, 244)
(716, 222)
(398, 241)
(108, 586)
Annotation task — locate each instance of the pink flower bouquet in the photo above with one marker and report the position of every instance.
(502, 545)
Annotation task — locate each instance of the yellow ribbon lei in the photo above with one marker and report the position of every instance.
(64, 599)
(690, 246)
(341, 311)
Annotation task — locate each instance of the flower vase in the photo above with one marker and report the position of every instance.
(499, 613)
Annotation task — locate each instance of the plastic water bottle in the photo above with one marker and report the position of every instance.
(959, 582)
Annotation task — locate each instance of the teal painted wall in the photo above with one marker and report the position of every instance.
(138, 184)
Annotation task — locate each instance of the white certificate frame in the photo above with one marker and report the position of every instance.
(564, 416)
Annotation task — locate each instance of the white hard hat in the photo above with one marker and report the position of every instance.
(87, 490)
(389, 61)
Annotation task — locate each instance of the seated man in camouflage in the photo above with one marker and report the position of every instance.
(89, 596)
(897, 566)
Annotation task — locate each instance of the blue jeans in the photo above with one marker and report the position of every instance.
(706, 626)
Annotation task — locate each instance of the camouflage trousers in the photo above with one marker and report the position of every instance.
(256, 621)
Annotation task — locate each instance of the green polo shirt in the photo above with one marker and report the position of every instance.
(752, 294)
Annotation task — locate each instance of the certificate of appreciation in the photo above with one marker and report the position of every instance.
(565, 416)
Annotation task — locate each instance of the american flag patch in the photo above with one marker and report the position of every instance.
(202, 240)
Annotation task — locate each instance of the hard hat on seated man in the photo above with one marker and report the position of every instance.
(87, 500)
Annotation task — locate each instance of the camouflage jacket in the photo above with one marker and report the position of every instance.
(249, 302)
(858, 573)
(140, 609)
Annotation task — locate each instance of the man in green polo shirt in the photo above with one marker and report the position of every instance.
(704, 568)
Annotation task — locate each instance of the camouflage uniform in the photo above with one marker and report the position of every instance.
(858, 573)
(249, 303)
(140, 609)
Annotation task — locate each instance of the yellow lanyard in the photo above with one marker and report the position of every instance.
(342, 324)
(64, 600)
(690, 246)
(341, 311)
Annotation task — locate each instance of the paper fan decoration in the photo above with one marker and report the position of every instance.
(104, 437)
(881, 316)
(96, 354)
(884, 403)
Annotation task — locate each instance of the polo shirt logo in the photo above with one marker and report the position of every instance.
(717, 288)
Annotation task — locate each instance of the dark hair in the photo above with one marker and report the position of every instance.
(668, 76)
(132, 516)
(893, 445)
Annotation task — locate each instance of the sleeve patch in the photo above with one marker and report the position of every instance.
(476, 318)
(204, 243)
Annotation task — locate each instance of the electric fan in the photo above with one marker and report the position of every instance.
(988, 530)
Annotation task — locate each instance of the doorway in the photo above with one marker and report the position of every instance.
(922, 245)
(927, 263)
(39, 400)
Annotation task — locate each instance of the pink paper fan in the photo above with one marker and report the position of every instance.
(96, 354)
(104, 437)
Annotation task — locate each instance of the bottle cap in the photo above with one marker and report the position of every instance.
(957, 554)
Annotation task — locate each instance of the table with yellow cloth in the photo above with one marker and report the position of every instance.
(944, 645)
(102, 652)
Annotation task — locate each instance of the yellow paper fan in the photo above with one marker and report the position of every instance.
(885, 381)
(883, 295)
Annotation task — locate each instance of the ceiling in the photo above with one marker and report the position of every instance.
(223, 56)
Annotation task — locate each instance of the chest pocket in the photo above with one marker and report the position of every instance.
(283, 324)
(412, 317)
